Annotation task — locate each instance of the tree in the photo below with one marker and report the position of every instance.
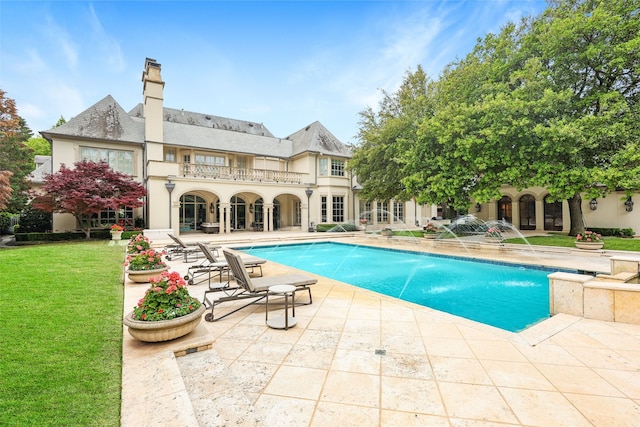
(86, 190)
(5, 188)
(39, 146)
(15, 156)
(385, 134)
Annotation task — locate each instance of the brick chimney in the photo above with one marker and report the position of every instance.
(152, 93)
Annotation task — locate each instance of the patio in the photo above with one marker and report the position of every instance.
(360, 358)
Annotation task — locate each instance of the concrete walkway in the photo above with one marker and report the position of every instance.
(360, 358)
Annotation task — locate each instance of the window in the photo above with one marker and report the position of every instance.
(398, 211)
(365, 211)
(383, 212)
(118, 160)
(205, 159)
(337, 167)
(108, 217)
(323, 166)
(323, 209)
(297, 212)
(170, 155)
(338, 209)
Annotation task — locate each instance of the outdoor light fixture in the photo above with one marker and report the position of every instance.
(169, 186)
(309, 192)
(628, 205)
(211, 208)
(593, 204)
(478, 207)
(251, 207)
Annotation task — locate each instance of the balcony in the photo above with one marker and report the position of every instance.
(239, 174)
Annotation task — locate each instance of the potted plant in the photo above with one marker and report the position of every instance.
(116, 232)
(138, 243)
(493, 234)
(387, 232)
(145, 265)
(430, 231)
(166, 311)
(589, 240)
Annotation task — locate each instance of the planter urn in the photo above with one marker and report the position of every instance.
(163, 330)
(590, 245)
(143, 276)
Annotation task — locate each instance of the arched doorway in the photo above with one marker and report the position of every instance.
(505, 210)
(193, 212)
(238, 213)
(552, 215)
(527, 212)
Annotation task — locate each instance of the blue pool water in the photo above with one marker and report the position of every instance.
(505, 296)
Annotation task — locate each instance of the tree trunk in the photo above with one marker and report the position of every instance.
(575, 215)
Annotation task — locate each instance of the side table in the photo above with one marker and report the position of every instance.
(285, 321)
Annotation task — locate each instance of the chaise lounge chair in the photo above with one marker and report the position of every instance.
(253, 289)
(180, 248)
(214, 267)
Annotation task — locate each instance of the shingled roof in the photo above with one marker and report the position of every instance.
(107, 120)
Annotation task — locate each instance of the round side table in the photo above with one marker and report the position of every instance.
(285, 321)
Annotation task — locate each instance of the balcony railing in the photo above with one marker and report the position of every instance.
(239, 174)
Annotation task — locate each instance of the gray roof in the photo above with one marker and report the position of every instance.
(106, 120)
(103, 120)
(42, 169)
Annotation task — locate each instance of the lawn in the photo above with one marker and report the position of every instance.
(61, 335)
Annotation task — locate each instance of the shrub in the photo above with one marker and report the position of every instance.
(336, 227)
(34, 220)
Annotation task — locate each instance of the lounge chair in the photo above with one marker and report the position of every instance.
(214, 267)
(180, 248)
(253, 289)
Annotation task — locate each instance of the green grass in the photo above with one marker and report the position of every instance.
(61, 335)
(611, 243)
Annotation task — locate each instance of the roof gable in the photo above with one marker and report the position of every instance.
(104, 120)
(317, 138)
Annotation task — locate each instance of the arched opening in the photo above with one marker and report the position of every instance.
(552, 215)
(527, 212)
(505, 210)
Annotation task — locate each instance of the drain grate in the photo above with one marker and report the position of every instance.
(381, 352)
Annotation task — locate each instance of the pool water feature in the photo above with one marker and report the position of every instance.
(498, 294)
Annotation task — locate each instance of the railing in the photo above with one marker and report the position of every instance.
(240, 174)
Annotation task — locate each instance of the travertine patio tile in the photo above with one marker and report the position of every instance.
(452, 369)
(319, 323)
(548, 353)
(575, 379)
(406, 366)
(628, 382)
(228, 348)
(286, 382)
(359, 341)
(516, 375)
(602, 358)
(496, 350)
(363, 326)
(412, 395)
(606, 411)
(310, 356)
(366, 362)
(397, 314)
(409, 329)
(369, 312)
(272, 352)
(543, 408)
(574, 338)
(403, 344)
(352, 388)
(244, 332)
(439, 330)
(253, 376)
(319, 338)
(477, 402)
(448, 347)
(409, 419)
(328, 413)
(278, 411)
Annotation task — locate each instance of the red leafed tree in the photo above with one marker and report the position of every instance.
(87, 189)
(5, 188)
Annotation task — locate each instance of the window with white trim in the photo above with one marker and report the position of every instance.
(118, 160)
(337, 167)
(338, 209)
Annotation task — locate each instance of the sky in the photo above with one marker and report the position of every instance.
(285, 64)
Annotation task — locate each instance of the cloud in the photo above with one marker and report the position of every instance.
(108, 47)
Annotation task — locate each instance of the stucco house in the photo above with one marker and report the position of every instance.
(214, 174)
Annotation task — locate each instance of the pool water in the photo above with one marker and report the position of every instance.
(505, 296)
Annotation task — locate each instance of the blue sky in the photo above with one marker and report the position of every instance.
(282, 63)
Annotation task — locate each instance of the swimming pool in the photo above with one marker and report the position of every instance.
(505, 296)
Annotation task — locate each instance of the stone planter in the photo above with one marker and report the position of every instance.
(493, 239)
(430, 236)
(143, 276)
(163, 330)
(116, 235)
(589, 245)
